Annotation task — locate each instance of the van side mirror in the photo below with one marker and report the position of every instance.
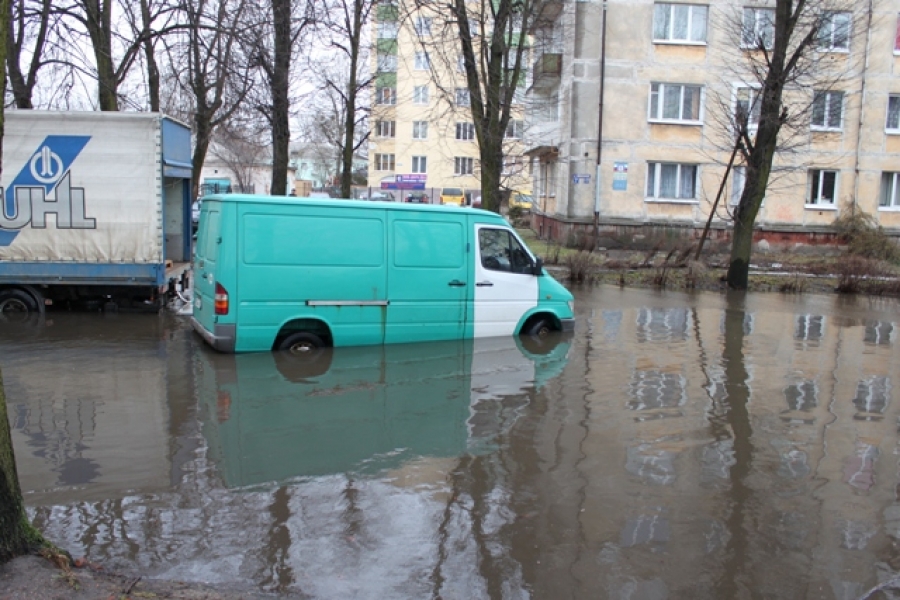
(538, 267)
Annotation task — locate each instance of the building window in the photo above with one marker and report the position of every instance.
(514, 129)
(802, 396)
(421, 62)
(893, 115)
(462, 96)
(419, 164)
(822, 186)
(746, 106)
(671, 181)
(834, 31)
(890, 194)
(878, 333)
(385, 129)
(465, 131)
(420, 94)
(420, 130)
(384, 162)
(386, 95)
(738, 179)
(679, 23)
(758, 28)
(387, 63)
(387, 30)
(512, 165)
(897, 37)
(422, 26)
(463, 165)
(827, 109)
(461, 64)
(675, 102)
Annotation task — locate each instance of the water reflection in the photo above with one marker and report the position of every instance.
(678, 445)
(274, 417)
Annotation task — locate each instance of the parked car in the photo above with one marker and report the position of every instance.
(382, 196)
(520, 200)
(417, 198)
(452, 196)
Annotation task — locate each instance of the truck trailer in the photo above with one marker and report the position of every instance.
(96, 210)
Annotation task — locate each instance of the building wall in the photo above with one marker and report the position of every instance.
(565, 152)
(440, 147)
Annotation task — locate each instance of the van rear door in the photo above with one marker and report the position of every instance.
(205, 259)
(428, 277)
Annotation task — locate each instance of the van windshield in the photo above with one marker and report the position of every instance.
(452, 192)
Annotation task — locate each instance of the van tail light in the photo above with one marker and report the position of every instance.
(221, 300)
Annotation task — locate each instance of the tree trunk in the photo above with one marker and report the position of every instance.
(350, 120)
(98, 20)
(17, 536)
(281, 131)
(150, 57)
(202, 135)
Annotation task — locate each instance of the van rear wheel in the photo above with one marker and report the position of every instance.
(302, 344)
(17, 305)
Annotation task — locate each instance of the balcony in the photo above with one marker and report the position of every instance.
(547, 70)
(549, 13)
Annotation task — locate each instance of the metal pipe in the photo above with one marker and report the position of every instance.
(598, 189)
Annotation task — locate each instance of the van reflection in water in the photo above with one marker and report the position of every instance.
(272, 417)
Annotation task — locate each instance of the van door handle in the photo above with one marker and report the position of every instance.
(484, 284)
(457, 283)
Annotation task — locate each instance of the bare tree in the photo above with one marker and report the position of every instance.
(242, 154)
(782, 53)
(273, 49)
(346, 81)
(209, 67)
(28, 26)
(146, 20)
(491, 49)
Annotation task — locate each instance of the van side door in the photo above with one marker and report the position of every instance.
(428, 277)
(505, 285)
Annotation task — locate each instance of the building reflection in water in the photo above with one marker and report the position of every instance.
(703, 445)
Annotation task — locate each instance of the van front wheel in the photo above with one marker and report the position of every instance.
(539, 328)
(302, 344)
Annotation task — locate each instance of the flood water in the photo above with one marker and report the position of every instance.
(676, 446)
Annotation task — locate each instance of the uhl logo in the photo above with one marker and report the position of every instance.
(27, 199)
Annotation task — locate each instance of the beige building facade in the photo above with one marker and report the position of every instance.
(670, 76)
(422, 134)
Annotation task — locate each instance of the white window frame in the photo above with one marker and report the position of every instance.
(421, 94)
(420, 130)
(889, 196)
(463, 165)
(515, 129)
(385, 129)
(466, 130)
(738, 181)
(753, 101)
(667, 11)
(893, 110)
(387, 30)
(461, 63)
(816, 185)
(387, 63)
(828, 31)
(422, 26)
(421, 62)
(385, 162)
(660, 91)
(512, 165)
(462, 97)
(386, 96)
(831, 98)
(654, 181)
(419, 164)
(757, 22)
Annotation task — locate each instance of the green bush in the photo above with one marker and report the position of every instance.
(865, 237)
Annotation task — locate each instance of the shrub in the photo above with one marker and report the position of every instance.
(865, 237)
(582, 266)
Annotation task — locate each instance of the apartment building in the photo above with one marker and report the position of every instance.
(422, 134)
(670, 75)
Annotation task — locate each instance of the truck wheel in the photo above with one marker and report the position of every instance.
(302, 344)
(16, 305)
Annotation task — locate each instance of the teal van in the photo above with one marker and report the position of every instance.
(280, 273)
